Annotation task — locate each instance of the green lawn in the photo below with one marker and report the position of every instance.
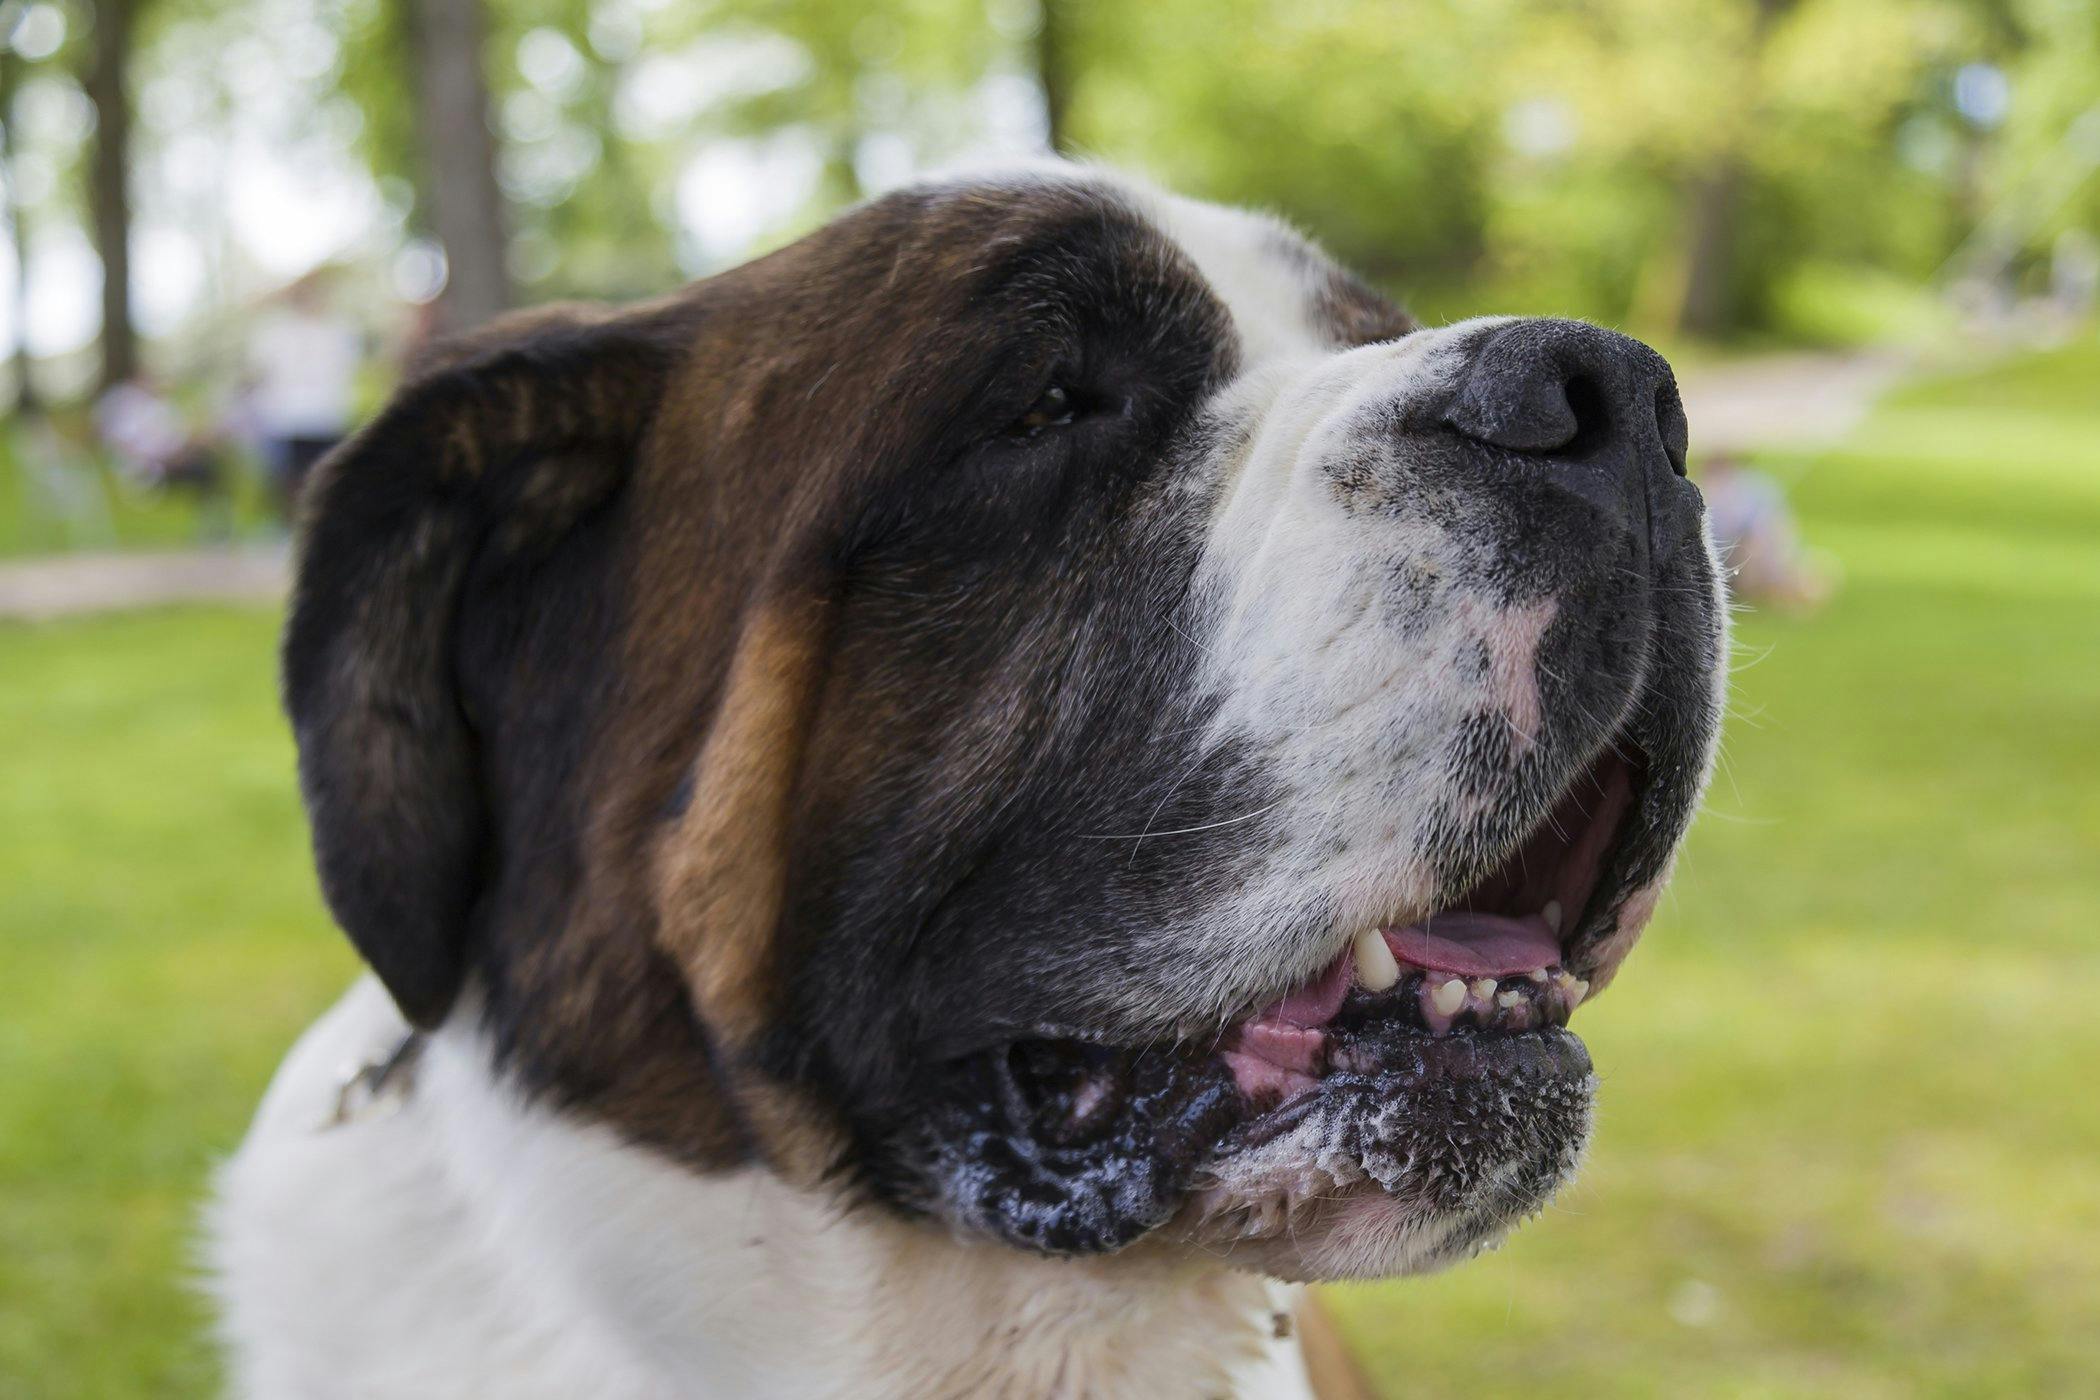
(1850, 1139)
(160, 946)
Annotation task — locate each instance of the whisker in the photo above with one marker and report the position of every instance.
(1184, 830)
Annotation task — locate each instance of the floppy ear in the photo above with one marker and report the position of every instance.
(500, 445)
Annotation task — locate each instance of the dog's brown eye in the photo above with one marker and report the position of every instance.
(1052, 410)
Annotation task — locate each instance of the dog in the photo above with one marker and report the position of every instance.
(959, 810)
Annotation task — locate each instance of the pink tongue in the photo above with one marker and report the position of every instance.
(1478, 945)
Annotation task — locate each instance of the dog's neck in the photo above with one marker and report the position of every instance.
(763, 1289)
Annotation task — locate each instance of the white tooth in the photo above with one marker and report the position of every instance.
(1447, 997)
(1508, 999)
(1484, 988)
(1552, 912)
(1577, 990)
(1375, 967)
(1537, 974)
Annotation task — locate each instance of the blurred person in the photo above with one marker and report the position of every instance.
(303, 361)
(155, 446)
(1759, 541)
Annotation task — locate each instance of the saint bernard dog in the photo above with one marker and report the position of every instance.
(957, 810)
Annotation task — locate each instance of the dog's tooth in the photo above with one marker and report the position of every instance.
(1448, 997)
(1552, 913)
(1507, 999)
(1537, 974)
(1577, 990)
(1375, 965)
(1484, 988)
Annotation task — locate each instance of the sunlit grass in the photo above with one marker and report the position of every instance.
(160, 945)
(1849, 1125)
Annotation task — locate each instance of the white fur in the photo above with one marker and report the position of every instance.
(1347, 690)
(469, 1244)
(1241, 255)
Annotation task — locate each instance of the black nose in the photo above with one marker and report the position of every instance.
(1564, 388)
(1600, 409)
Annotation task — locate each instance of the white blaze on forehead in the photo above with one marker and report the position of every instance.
(1258, 266)
(1267, 275)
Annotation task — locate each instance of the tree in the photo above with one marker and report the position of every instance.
(106, 82)
(16, 229)
(1054, 71)
(459, 175)
(1713, 212)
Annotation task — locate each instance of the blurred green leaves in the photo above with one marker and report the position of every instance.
(1670, 165)
(1544, 156)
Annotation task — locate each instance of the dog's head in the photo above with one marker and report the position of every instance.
(1042, 706)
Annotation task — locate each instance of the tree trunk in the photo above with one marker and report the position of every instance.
(106, 83)
(17, 234)
(466, 205)
(1707, 305)
(1053, 70)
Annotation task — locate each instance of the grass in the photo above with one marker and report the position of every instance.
(160, 945)
(1848, 1134)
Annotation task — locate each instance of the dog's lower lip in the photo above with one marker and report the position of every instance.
(1427, 1059)
(1275, 1060)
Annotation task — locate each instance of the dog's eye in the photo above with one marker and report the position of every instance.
(1053, 410)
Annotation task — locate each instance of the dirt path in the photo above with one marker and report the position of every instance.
(65, 585)
(1801, 400)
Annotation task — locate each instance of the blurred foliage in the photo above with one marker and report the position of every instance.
(1539, 155)
(1545, 151)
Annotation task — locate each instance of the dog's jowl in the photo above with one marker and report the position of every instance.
(957, 809)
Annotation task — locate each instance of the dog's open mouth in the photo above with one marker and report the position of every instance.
(1426, 1065)
(1491, 963)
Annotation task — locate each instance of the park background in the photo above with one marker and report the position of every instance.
(1849, 1140)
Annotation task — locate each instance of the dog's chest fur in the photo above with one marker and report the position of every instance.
(455, 1242)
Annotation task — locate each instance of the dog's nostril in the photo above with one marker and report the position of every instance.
(1670, 424)
(1592, 413)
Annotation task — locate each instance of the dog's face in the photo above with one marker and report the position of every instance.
(1044, 707)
